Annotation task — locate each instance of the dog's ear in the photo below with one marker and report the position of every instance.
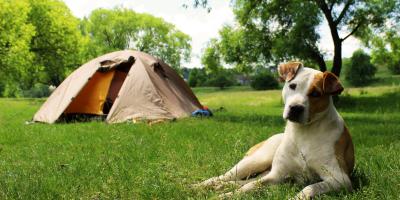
(331, 84)
(287, 71)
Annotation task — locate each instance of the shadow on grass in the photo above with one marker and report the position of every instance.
(359, 179)
(388, 102)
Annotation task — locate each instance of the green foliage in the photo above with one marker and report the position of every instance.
(361, 71)
(284, 30)
(38, 90)
(264, 80)
(211, 58)
(197, 77)
(15, 38)
(119, 28)
(42, 42)
(221, 79)
(58, 43)
(242, 48)
(386, 51)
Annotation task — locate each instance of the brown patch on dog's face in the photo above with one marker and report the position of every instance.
(323, 85)
(318, 100)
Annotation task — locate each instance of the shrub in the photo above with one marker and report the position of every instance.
(10, 90)
(221, 80)
(197, 77)
(37, 91)
(394, 67)
(360, 71)
(263, 81)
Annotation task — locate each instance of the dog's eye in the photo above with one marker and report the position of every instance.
(292, 86)
(315, 93)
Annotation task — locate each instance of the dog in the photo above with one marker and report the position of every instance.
(315, 147)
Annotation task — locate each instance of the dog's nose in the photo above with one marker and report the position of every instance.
(295, 112)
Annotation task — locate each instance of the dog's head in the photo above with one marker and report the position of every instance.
(307, 92)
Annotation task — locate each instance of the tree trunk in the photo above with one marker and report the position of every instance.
(337, 58)
(337, 41)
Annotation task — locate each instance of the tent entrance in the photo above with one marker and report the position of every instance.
(121, 72)
(90, 100)
(97, 97)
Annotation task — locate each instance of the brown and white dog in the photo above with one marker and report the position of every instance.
(315, 146)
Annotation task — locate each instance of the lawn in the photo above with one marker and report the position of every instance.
(95, 160)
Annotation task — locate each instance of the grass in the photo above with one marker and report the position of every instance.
(95, 160)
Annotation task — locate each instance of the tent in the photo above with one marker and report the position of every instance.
(121, 86)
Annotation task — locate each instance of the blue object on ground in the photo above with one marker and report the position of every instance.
(202, 113)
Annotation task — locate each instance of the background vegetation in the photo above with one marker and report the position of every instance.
(41, 42)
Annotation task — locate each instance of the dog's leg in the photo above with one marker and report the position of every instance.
(333, 179)
(271, 178)
(240, 182)
(258, 159)
(246, 167)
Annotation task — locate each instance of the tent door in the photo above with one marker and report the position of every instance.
(90, 100)
(121, 72)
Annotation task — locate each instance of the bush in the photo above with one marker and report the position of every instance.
(360, 71)
(37, 91)
(263, 81)
(221, 80)
(197, 77)
(394, 67)
(10, 90)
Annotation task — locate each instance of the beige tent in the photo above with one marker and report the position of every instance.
(123, 85)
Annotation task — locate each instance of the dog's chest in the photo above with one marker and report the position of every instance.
(309, 153)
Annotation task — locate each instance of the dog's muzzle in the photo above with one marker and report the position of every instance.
(295, 113)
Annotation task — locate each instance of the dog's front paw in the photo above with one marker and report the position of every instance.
(212, 182)
(227, 195)
(301, 196)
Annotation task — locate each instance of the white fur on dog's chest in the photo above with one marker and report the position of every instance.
(307, 149)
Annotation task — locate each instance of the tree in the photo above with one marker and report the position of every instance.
(197, 77)
(120, 28)
(291, 26)
(211, 58)
(386, 50)
(222, 78)
(57, 44)
(241, 47)
(15, 37)
(360, 71)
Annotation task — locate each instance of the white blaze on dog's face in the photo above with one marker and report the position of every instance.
(306, 92)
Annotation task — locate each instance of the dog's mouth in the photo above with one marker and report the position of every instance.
(295, 119)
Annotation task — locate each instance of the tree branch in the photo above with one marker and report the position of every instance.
(344, 11)
(331, 6)
(328, 15)
(352, 32)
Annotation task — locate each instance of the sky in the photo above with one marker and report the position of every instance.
(199, 24)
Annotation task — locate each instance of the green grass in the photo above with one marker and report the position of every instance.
(95, 160)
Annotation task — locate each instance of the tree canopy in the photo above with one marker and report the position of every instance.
(41, 42)
(15, 37)
(278, 30)
(386, 48)
(58, 43)
(119, 28)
